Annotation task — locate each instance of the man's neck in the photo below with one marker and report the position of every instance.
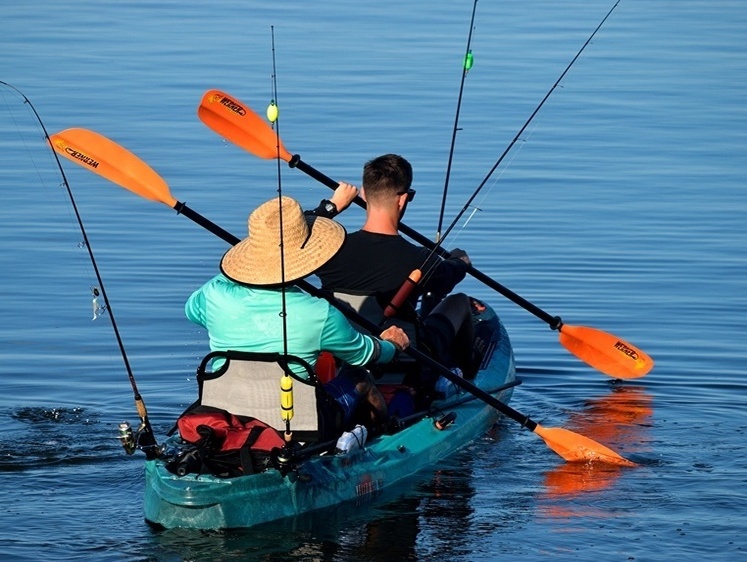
(381, 221)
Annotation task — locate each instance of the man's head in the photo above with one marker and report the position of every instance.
(386, 180)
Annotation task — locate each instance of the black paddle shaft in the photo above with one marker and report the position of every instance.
(371, 327)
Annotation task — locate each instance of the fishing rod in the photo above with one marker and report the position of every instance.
(416, 276)
(466, 66)
(558, 322)
(273, 114)
(286, 381)
(441, 419)
(115, 164)
(143, 438)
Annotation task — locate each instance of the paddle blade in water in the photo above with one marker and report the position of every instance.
(236, 122)
(607, 353)
(108, 159)
(577, 448)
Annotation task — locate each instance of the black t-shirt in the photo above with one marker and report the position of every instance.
(371, 263)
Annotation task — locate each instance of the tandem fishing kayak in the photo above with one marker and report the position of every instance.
(205, 501)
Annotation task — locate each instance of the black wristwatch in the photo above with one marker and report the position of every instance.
(329, 208)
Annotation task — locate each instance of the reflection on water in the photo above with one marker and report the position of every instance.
(620, 420)
(397, 525)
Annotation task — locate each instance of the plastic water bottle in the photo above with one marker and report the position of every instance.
(446, 387)
(352, 440)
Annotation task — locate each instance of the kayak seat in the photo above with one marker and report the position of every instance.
(248, 384)
(404, 367)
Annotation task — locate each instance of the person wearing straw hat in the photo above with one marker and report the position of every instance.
(242, 307)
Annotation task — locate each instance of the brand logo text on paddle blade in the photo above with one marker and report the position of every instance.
(233, 106)
(621, 347)
(92, 162)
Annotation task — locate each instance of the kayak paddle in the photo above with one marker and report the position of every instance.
(115, 163)
(235, 121)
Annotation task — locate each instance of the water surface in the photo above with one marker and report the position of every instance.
(621, 206)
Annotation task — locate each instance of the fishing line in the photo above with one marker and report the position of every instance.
(98, 309)
(478, 205)
(466, 66)
(21, 133)
(145, 438)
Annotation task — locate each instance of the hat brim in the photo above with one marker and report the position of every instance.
(255, 262)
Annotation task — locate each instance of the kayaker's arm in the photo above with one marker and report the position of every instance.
(343, 196)
(341, 339)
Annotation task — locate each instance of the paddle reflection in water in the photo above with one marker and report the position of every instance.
(621, 417)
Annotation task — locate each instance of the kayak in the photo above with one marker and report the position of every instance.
(205, 501)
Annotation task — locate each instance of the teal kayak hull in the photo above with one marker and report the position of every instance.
(208, 502)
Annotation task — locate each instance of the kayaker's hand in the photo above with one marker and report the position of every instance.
(344, 195)
(397, 336)
(461, 254)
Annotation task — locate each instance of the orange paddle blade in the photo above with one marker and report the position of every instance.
(106, 158)
(236, 122)
(577, 448)
(607, 353)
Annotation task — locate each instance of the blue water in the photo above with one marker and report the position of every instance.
(622, 206)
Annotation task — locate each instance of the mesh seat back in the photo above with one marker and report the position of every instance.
(248, 384)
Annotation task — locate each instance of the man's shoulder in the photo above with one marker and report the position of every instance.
(376, 239)
(362, 250)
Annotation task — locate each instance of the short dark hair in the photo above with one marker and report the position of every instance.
(387, 173)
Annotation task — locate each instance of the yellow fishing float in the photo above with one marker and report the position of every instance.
(272, 112)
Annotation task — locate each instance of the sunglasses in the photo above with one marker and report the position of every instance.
(410, 194)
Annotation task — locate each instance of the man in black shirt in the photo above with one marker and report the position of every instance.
(376, 260)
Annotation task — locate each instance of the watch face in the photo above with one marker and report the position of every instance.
(330, 207)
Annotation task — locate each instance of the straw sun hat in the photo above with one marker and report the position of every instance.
(309, 243)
